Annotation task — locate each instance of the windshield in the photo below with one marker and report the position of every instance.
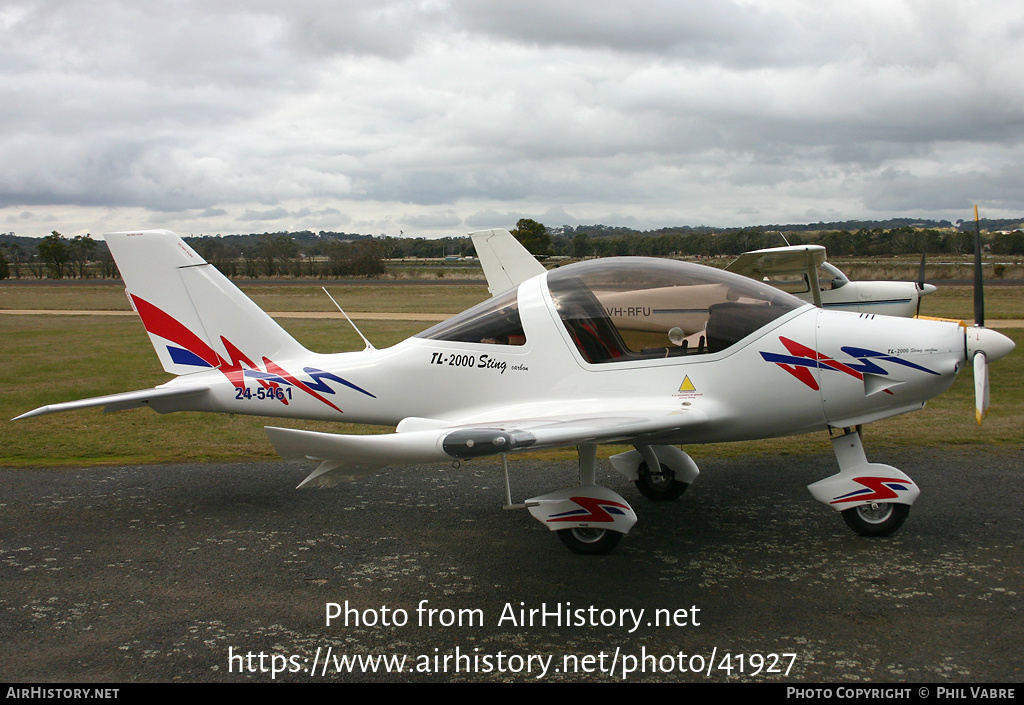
(631, 308)
(496, 321)
(829, 277)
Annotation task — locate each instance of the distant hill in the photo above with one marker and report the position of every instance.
(309, 238)
(849, 225)
(991, 224)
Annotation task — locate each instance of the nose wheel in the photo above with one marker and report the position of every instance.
(877, 519)
(589, 541)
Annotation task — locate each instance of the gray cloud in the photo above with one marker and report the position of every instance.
(435, 114)
(271, 214)
(433, 221)
(737, 34)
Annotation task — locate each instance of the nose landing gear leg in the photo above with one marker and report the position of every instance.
(874, 498)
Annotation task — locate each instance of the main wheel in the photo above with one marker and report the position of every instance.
(589, 541)
(659, 486)
(877, 519)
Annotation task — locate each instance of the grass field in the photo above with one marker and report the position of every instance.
(51, 358)
(412, 297)
(285, 296)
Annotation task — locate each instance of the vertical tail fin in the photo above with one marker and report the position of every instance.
(196, 318)
(506, 263)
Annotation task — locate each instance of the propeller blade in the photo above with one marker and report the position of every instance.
(979, 295)
(980, 342)
(980, 386)
(920, 286)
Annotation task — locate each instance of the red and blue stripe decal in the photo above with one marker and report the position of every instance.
(191, 350)
(803, 359)
(876, 489)
(592, 510)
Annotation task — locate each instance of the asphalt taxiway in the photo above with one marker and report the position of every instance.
(211, 573)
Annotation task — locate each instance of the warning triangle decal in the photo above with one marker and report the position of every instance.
(687, 385)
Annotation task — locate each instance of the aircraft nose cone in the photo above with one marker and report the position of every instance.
(926, 289)
(995, 345)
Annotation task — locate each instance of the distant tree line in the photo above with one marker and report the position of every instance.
(333, 255)
(587, 241)
(54, 257)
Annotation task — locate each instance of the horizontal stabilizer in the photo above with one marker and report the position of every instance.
(161, 399)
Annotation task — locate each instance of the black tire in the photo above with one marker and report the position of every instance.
(588, 541)
(877, 520)
(659, 486)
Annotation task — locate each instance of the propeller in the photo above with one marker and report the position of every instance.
(979, 294)
(982, 345)
(922, 288)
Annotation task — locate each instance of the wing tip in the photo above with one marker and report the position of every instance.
(35, 412)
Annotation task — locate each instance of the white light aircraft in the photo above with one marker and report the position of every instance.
(803, 271)
(651, 353)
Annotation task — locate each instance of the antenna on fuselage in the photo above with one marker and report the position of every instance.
(369, 345)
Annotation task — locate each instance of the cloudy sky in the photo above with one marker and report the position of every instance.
(437, 117)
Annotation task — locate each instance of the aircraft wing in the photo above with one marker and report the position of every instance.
(506, 263)
(162, 399)
(778, 261)
(346, 457)
(758, 264)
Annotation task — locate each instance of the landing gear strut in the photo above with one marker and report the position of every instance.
(589, 518)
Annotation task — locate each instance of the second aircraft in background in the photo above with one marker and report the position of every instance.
(802, 271)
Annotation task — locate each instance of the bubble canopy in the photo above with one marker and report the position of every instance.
(630, 308)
